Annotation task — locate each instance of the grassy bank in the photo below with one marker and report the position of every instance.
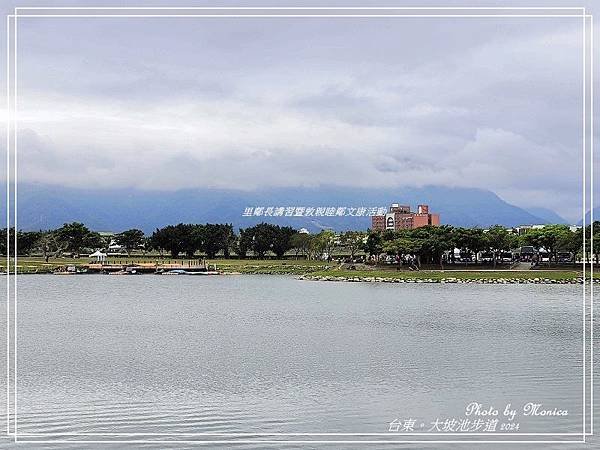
(28, 264)
(31, 265)
(303, 267)
(269, 267)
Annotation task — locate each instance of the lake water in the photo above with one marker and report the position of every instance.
(140, 356)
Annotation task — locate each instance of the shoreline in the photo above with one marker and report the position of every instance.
(404, 278)
(444, 280)
(309, 270)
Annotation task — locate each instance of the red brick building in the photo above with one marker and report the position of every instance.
(400, 217)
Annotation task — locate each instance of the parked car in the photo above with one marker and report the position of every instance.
(565, 257)
(526, 253)
(486, 257)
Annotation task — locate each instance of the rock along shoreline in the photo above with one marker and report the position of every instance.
(447, 280)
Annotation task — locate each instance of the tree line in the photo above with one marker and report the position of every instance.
(431, 244)
(175, 240)
(427, 245)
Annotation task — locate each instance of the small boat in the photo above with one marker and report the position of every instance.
(126, 271)
(70, 270)
(189, 272)
(207, 272)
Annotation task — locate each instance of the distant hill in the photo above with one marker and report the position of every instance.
(588, 216)
(548, 215)
(44, 207)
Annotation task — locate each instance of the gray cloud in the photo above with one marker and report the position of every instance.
(238, 103)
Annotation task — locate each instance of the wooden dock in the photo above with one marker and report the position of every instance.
(147, 267)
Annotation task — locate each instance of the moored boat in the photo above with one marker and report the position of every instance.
(189, 272)
(206, 272)
(70, 270)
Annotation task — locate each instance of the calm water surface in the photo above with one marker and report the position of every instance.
(268, 354)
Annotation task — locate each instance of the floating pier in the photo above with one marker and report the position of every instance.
(132, 268)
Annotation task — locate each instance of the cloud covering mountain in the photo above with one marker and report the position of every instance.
(44, 207)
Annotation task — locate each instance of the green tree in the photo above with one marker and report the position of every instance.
(572, 242)
(244, 242)
(531, 237)
(176, 239)
(435, 242)
(551, 236)
(192, 236)
(374, 244)
(325, 242)
(130, 239)
(404, 245)
(266, 237)
(469, 240)
(593, 248)
(212, 239)
(215, 238)
(26, 241)
(228, 239)
(48, 243)
(499, 239)
(4, 233)
(301, 242)
(547, 238)
(353, 241)
(74, 237)
(262, 238)
(159, 240)
(282, 240)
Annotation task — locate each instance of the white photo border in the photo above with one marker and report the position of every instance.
(12, 130)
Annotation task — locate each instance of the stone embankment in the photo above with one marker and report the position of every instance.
(449, 280)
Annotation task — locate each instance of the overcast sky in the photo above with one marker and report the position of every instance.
(247, 103)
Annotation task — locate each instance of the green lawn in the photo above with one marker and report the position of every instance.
(258, 266)
(28, 264)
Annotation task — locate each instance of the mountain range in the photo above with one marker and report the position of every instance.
(588, 216)
(46, 207)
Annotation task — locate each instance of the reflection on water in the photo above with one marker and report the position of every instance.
(266, 354)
